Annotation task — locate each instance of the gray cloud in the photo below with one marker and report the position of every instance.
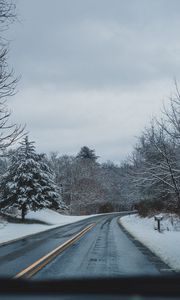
(96, 45)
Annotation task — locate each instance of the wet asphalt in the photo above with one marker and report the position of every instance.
(105, 251)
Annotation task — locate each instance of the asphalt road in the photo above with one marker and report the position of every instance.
(104, 251)
(19, 255)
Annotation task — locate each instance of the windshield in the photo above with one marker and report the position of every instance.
(89, 138)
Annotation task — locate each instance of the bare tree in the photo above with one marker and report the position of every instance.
(9, 132)
(155, 170)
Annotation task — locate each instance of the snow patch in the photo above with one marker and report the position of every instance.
(53, 218)
(166, 244)
(11, 231)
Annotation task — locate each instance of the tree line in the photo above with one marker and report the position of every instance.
(153, 170)
(86, 185)
(69, 184)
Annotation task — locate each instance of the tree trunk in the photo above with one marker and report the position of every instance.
(23, 211)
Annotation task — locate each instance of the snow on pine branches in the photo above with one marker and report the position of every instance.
(28, 183)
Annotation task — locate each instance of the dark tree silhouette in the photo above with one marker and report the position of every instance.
(87, 153)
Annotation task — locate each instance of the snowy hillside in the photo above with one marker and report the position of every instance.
(166, 244)
(53, 218)
(10, 231)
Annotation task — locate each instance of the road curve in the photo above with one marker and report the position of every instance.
(16, 256)
(105, 250)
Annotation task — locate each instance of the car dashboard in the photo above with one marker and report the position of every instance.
(126, 288)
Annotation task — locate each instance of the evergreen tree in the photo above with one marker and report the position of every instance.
(28, 183)
(87, 153)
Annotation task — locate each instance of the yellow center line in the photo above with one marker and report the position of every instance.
(43, 261)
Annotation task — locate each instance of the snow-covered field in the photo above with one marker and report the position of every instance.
(53, 218)
(10, 231)
(166, 244)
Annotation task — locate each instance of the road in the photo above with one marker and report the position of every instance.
(105, 250)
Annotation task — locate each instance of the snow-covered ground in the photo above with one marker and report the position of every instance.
(10, 231)
(53, 218)
(166, 244)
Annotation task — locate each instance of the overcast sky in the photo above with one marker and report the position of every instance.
(94, 72)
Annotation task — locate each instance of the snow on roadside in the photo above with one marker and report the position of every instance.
(12, 231)
(53, 218)
(166, 245)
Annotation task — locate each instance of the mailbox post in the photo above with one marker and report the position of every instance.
(158, 219)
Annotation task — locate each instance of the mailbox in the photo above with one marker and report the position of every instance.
(158, 219)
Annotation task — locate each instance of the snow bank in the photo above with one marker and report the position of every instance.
(10, 231)
(166, 245)
(53, 218)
